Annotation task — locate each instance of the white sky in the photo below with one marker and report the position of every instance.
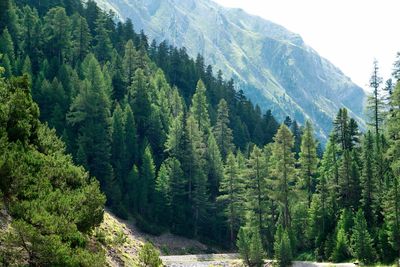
(349, 33)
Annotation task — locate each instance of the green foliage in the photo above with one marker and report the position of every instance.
(250, 247)
(308, 161)
(341, 250)
(283, 248)
(149, 256)
(54, 204)
(283, 170)
(362, 243)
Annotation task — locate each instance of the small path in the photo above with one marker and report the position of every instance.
(201, 260)
(229, 260)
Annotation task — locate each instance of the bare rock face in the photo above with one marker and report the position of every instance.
(273, 66)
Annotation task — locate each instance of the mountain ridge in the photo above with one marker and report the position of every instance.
(273, 66)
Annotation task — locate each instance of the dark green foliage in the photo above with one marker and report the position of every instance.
(54, 204)
(156, 128)
(361, 241)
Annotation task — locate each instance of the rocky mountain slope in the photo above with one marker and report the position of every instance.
(273, 66)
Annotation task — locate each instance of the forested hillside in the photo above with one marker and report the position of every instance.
(178, 149)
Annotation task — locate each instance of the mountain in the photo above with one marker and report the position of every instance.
(273, 66)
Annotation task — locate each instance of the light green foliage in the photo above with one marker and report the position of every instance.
(283, 171)
(250, 247)
(149, 256)
(199, 108)
(282, 247)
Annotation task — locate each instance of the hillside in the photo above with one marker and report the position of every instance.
(273, 66)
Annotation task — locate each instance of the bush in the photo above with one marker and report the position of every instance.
(283, 248)
(250, 247)
(149, 256)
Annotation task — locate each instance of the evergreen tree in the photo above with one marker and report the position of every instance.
(129, 62)
(222, 132)
(163, 195)
(7, 48)
(282, 169)
(231, 195)
(375, 101)
(199, 108)
(197, 183)
(282, 247)
(256, 191)
(368, 180)
(243, 245)
(57, 30)
(215, 167)
(89, 115)
(130, 141)
(173, 145)
(341, 251)
(103, 45)
(139, 99)
(118, 149)
(81, 37)
(349, 181)
(308, 160)
(361, 240)
(146, 184)
(256, 249)
(179, 203)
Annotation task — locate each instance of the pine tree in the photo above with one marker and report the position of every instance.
(256, 191)
(7, 47)
(173, 145)
(57, 30)
(146, 185)
(256, 249)
(129, 62)
(283, 170)
(199, 108)
(163, 195)
(282, 247)
(139, 99)
(392, 198)
(349, 180)
(81, 37)
(243, 245)
(130, 141)
(231, 196)
(222, 132)
(89, 115)
(375, 100)
(341, 250)
(179, 203)
(362, 243)
(118, 149)
(215, 167)
(368, 180)
(103, 45)
(308, 160)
